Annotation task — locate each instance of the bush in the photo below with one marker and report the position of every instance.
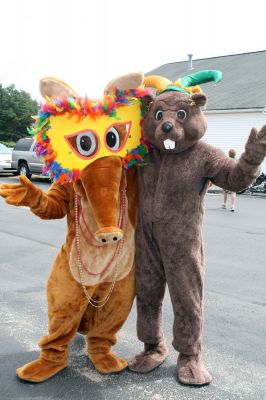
(16, 111)
(8, 143)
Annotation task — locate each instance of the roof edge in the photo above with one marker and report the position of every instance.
(234, 110)
(207, 58)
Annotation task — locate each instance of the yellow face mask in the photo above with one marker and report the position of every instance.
(79, 143)
(71, 133)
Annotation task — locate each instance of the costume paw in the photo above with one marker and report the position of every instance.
(107, 363)
(39, 370)
(262, 136)
(191, 371)
(153, 356)
(257, 140)
(21, 194)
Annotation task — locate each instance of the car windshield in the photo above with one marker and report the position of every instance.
(4, 149)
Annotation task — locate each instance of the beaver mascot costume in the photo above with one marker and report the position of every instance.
(169, 244)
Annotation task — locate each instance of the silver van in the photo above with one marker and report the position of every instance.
(24, 159)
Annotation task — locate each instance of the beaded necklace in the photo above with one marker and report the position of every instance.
(117, 252)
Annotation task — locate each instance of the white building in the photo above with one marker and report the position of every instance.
(236, 104)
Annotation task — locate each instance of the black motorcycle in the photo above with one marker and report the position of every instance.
(259, 186)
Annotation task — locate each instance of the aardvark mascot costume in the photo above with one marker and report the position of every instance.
(169, 245)
(87, 146)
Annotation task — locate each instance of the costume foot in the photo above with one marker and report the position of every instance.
(191, 371)
(39, 370)
(107, 363)
(152, 356)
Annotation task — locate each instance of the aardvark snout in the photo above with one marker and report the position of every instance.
(109, 235)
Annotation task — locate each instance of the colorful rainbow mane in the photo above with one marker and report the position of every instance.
(80, 107)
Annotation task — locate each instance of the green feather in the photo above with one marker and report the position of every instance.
(201, 77)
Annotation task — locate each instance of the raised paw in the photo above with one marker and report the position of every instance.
(262, 135)
(107, 363)
(191, 371)
(39, 370)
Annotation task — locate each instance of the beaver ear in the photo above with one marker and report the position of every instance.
(200, 99)
(147, 100)
(50, 87)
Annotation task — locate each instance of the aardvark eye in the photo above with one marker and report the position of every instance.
(85, 143)
(112, 139)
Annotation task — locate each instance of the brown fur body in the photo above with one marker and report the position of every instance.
(169, 242)
(68, 307)
(99, 191)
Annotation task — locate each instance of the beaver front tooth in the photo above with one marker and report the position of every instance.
(169, 144)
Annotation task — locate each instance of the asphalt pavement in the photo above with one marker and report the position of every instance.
(235, 312)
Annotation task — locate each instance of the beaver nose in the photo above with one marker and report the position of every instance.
(167, 127)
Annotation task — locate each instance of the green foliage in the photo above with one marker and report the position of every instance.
(8, 143)
(16, 111)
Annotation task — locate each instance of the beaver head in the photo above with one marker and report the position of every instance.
(174, 121)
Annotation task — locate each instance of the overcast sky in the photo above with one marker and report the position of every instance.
(88, 42)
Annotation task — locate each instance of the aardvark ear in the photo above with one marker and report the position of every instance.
(50, 87)
(200, 99)
(124, 82)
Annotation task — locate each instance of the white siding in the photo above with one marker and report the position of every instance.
(231, 130)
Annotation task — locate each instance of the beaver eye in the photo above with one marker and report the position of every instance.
(86, 143)
(158, 115)
(113, 139)
(181, 114)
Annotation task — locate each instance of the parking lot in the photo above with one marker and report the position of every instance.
(235, 311)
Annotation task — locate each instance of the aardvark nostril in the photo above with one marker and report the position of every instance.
(108, 235)
(167, 127)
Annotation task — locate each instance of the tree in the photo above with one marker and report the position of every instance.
(16, 111)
